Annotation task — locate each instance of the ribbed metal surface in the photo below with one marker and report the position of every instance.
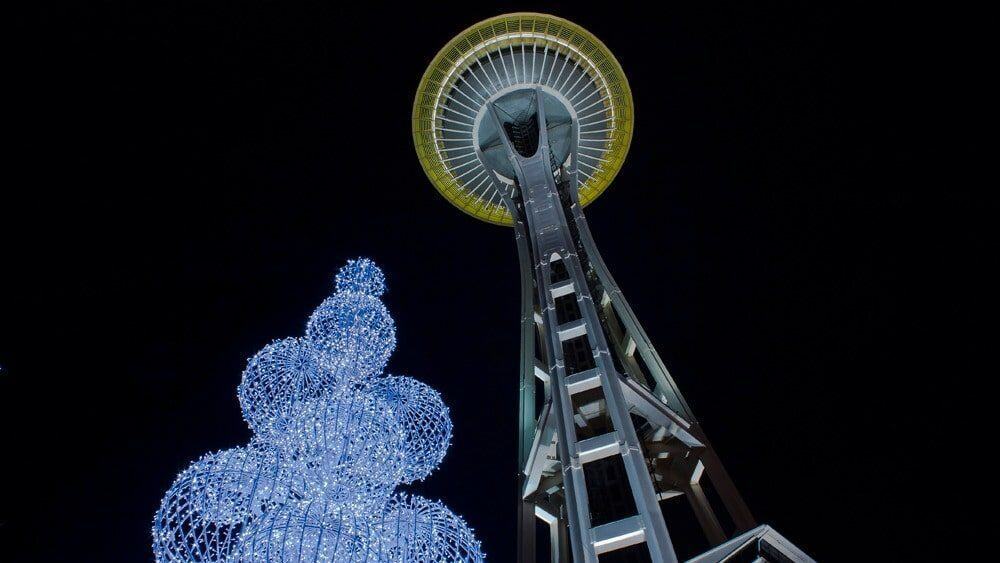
(507, 52)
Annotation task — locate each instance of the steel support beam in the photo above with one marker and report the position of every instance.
(598, 369)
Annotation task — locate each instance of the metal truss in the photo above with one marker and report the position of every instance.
(610, 436)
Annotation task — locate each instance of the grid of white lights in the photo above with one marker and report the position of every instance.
(333, 439)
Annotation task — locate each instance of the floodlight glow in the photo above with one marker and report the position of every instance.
(502, 54)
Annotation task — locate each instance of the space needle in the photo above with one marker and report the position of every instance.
(522, 120)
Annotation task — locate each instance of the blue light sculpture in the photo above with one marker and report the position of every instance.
(347, 450)
(333, 438)
(424, 418)
(203, 512)
(277, 379)
(354, 334)
(413, 528)
(360, 276)
(310, 531)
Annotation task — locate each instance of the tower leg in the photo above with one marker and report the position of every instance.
(525, 526)
(731, 497)
(561, 553)
(704, 513)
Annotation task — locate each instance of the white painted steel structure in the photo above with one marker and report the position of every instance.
(530, 115)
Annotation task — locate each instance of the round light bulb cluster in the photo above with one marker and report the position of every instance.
(333, 438)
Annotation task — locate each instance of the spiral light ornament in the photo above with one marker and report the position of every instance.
(416, 529)
(424, 417)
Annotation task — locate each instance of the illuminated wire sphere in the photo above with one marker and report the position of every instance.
(347, 448)
(361, 276)
(355, 334)
(211, 501)
(416, 529)
(506, 53)
(316, 481)
(277, 378)
(424, 418)
(308, 532)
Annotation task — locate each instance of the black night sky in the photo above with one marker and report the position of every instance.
(193, 177)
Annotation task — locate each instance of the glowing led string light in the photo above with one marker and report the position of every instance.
(349, 449)
(354, 334)
(413, 528)
(332, 440)
(361, 276)
(204, 510)
(282, 375)
(310, 531)
(424, 418)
